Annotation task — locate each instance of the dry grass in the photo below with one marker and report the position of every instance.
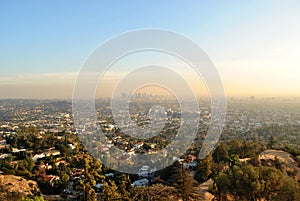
(14, 188)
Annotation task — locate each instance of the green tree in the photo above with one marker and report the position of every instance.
(220, 154)
(124, 185)
(204, 169)
(90, 193)
(186, 184)
(111, 191)
(157, 192)
(38, 198)
(249, 183)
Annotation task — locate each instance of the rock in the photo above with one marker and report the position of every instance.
(14, 188)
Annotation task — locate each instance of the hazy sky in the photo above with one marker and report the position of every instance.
(255, 45)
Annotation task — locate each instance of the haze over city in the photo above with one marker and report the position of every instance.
(150, 100)
(254, 45)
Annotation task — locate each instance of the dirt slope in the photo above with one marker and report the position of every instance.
(14, 188)
(282, 156)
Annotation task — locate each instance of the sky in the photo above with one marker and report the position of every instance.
(255, 45)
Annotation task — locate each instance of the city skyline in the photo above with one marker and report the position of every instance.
(254, 45)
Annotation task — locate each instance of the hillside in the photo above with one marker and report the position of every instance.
(14, 188)
(284, 157)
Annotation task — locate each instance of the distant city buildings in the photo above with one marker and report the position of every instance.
(244, 119)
